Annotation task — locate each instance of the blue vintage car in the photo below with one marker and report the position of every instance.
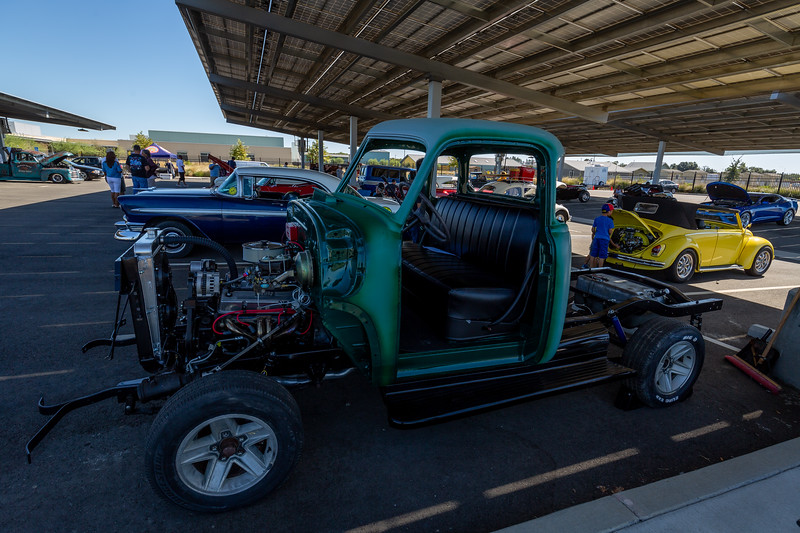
(373, 175)
(753, 208)
(249, 205)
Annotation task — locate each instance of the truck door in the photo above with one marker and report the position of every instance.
(25, 166)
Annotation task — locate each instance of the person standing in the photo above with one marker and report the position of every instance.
(137, 164)
(152, 168)
(170, 168)
(213, 172)
(602, 228)
(113, 172)
(181, 171)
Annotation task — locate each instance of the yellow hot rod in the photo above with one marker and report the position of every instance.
(681, 238)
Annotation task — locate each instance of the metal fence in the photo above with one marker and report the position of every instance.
(785, 183)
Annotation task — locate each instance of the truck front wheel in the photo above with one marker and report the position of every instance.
(57, 178)
(224, 441)
(667, 356)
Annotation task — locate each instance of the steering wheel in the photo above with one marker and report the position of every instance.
(426, 215)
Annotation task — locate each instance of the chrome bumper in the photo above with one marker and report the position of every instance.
(635, 260)
(127, 231)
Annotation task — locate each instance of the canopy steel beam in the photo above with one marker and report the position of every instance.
(291, 96)
(389, 55)
(18, 108)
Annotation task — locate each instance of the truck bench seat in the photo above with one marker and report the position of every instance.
(474, 278)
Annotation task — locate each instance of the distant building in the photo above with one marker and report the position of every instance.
(197, 146)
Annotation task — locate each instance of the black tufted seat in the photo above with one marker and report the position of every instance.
(472, 280)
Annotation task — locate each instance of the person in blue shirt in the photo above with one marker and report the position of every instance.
(214, 172)
(113, 172)
(602, 228)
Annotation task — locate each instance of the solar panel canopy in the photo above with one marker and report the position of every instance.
(604, 76)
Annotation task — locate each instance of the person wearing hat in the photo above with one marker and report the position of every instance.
(602, 228)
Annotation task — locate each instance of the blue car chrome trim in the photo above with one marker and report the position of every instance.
(180, 211)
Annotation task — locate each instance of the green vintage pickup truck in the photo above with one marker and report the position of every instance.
(24, 165)
(449, 305)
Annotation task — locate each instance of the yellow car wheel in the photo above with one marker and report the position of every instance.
(682, 268)
(761, 262)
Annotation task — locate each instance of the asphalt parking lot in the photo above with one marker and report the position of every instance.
(480, 473)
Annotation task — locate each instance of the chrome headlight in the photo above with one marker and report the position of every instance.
(304, 269)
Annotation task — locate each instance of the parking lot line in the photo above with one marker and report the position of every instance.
(76, 324)
(36, 375)
(720, 343)
(731, 291)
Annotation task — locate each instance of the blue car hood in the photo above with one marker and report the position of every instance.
(720, 190)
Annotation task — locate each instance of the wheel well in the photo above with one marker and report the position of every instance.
(197, 232)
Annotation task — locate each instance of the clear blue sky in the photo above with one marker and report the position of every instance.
(133, 65)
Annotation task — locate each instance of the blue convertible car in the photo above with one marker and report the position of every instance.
(250, 205)
(752, 208)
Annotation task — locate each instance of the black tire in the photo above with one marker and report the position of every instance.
(788, 216)
(746, 218)
(667, 356)
(584, 196)
(761, 262)
(182, 447)
(173, 228)
(562, 216)
(682, 269)
(57, 178)
(87, 177)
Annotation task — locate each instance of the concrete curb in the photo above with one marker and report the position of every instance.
(638, 505)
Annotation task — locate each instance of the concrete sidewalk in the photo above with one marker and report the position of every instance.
(756, 492)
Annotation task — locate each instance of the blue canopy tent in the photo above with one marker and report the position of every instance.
(157, 151)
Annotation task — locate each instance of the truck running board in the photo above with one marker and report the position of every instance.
(433, 400)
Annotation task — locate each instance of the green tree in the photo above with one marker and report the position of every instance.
(686, 165)
(239, 151)
(735, 169)
(313, 151)
(142, 140)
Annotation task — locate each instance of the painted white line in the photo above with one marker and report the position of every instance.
(783, 254)
(680, 437)
(38, 273)
(720, 343)
(559, 473)
(43, 256)
(36, 375)
(75, 324)
(71, 243)
(732, 291)
(22, 296)
(15, 243)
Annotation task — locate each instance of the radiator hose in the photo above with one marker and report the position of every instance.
(208, 243)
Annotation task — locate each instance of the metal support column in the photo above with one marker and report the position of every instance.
(560, 168)
(353, 137)
(662, 145)
(320, 152)
(434, 98)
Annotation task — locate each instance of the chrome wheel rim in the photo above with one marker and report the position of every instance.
(227, 454)
(173, 248)
(787, 218)
(745, 219)
(685, 266)
(561, 217)
(675, 368)
(762, 261)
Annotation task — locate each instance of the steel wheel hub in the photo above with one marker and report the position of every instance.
(675, 367)
(227, 454)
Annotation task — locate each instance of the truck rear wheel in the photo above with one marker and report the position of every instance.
(667, 356)
(224, 441)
